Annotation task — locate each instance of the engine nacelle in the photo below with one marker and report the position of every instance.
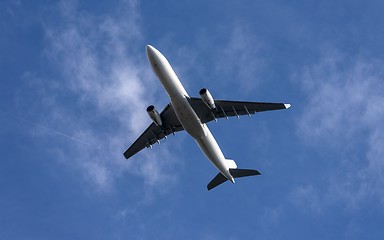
(207, 98)
(154, 115)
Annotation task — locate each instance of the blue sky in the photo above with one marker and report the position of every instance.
(75, 83)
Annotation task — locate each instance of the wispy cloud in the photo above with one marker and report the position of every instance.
(240, 58)
(101, 92)
(344, 115)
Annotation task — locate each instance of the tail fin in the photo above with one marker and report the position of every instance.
(231, 164)
(236, 173)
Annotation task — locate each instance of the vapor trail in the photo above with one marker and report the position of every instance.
(45, 128)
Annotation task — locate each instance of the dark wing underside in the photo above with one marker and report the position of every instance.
(226, 109)
(154, 133)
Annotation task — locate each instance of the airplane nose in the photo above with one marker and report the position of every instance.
(149, 50)
(151, 54)
(155, 57)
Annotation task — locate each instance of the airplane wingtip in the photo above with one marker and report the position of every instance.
(287, 105)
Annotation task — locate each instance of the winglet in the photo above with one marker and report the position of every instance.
(287, 105)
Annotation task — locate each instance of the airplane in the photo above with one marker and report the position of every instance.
(191, 114)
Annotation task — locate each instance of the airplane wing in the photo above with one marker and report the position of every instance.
(231, 108)
(154, 133)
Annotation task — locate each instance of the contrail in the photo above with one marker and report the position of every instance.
(46, 128)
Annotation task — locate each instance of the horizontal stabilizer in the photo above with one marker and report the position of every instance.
(236, 173)
(216, 181)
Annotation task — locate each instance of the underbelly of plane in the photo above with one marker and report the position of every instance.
(212, 151)
(200, 132)
(187, 117)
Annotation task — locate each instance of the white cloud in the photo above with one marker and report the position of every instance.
(344, 116)
(105, 74)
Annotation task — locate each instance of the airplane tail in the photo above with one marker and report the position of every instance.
(231, 164)
(236, 173)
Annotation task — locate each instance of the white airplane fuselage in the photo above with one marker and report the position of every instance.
(185, 113)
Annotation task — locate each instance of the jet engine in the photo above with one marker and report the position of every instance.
(207, 98)
(154, 115)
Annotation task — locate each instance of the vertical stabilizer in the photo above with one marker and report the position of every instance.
(231, 164)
